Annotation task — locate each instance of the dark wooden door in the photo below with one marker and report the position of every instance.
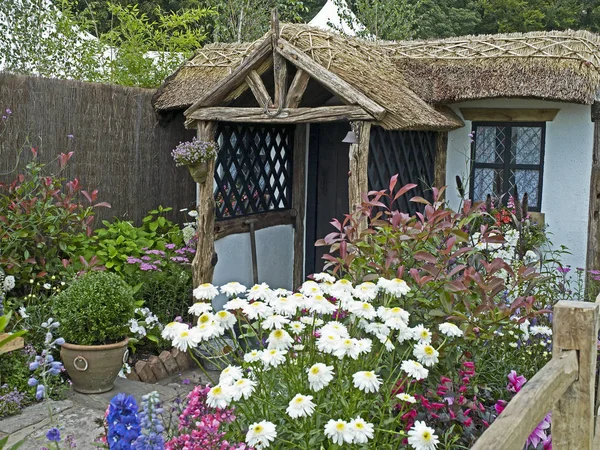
(327, 192)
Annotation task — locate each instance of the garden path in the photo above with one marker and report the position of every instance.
(78, 413)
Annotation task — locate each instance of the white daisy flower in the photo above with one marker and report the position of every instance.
(186, 339)
(219, 396)
(364, 346)
(230, 375)
(205, 291)
(395, 287)
(272, 357)
(328, 343)
(426, 354)
(23, 312)
(300, 406)
(243, 388)
(233, 289)
(261, 434)
(366, 381)
(362, 430)
(225, 319)
(406, 398)
(422, 437)
(256, 310)
(206, 318)
(274, 321)
(541, 329)
(405, 334)
(450, 330)
(285, 306)
(259, 292)
(320, 305)
(208, 330)
(319, 376)
(335, 327)
(253, 356)
(199, 308)
(339, 431)
(414, 369)
(393, 313)
(310, 320)
(363, 310)
(366, 291)
(347, 347)
(344, 286)
(524, 327)
(422, 334)
(280, 340)
(310, 288)
(236, 303)
(297, 327)
(377, 329)
(324, 277)
(172, 329)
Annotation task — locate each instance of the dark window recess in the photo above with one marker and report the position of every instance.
(253, 173)
(411, 155)
(506, 155)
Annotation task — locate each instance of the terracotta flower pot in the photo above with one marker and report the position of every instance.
(199, 172)
(93, 368)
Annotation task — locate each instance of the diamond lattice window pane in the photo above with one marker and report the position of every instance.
(528, 182)
(487, 181)
(253, 170)
(526, 145)
(490, 143)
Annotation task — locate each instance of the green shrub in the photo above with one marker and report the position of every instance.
(95, 309)
(119, 240)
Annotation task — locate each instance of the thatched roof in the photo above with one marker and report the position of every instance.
(407, 78)
(365, 66)
(557, 65)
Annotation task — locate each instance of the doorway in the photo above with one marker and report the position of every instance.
(327, 191)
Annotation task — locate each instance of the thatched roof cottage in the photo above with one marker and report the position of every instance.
(281, 107)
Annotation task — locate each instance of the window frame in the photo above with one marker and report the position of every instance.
(508, 167)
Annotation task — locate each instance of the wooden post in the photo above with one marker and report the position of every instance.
(593, 240)
(358, 178)
(299, 200)
(441, 149)
(576, 328)
(279, 64)
(205, 260)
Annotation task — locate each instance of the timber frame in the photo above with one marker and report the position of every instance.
(283, 107)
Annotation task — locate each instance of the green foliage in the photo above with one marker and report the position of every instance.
(45, 220)
(95, 309)
(14, 371)
(119, 240)
(147, 51)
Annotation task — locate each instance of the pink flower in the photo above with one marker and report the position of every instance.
(500, 405)
(539, 434)
(515, 382)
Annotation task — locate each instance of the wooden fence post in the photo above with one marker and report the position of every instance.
(576, 328)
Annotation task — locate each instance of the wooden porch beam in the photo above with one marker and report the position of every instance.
(358, 178)
(441, 150)
(299, 200)
(258, 88)
(279, 64)
(204, 262)
(297, 88)
(237, 77)
(287, 115)
(593, 238)
(335, 84)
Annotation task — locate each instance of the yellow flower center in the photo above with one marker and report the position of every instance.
(222, 314)
(340, 426)
(428, 350)
(184, 334)
(258, 429)
(205, 285)
(314, 370)
(368, 374)
(359, 425)
(299, 399)
(424, 334)
(217, 390)
(203, 318)
(278, 334)
(366, 305)
(426, 436)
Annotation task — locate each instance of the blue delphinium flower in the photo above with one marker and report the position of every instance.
(123, 424)
(53, 434)
(151, 437)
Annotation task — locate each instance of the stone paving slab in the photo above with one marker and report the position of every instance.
(77, 414)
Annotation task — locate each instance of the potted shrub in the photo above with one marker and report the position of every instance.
(93, 313)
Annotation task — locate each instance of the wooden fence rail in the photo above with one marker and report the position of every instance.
(564, 386)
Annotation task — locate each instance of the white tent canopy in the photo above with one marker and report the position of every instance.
(337, 16)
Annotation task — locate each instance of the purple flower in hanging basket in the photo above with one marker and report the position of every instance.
(194, 152)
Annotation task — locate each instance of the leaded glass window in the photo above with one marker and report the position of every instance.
(506, 155)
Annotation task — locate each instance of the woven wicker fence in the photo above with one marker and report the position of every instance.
(119, 147)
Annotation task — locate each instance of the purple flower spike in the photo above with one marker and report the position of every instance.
(53, 435)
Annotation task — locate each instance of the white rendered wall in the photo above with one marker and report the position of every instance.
(567, 169)
(274, 252)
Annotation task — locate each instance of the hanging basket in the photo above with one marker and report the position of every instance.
(199, 171)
